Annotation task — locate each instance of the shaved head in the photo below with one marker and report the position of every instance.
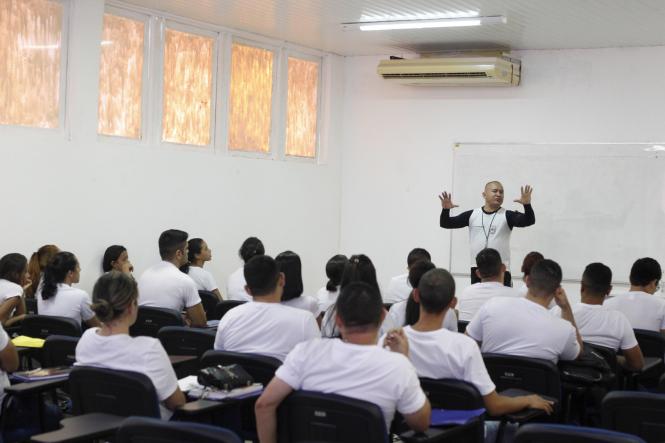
(493, 183)
(493, 195)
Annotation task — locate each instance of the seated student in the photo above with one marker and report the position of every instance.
(164, 286)
(57, 297)
(116, 258)
(289, 264)
(109, 346)
(407, 312)
(643, 309)
(327, 295)
(264, 326)
(399, 288)
(530, 259)
(601, 326)
(235, 287)
(490, 269)
(354, 367)
(198, 254)
(522, 326)
(438, 353)
(14, 277)
(36, 266)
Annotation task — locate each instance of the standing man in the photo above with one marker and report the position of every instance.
(490, 225)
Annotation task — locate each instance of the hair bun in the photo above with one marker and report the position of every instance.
(103, 310)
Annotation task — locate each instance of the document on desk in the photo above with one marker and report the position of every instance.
(191, 386)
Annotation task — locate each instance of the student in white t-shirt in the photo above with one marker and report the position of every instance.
(399, 287)
(530, 259)
(523, 326)
(235, 286)
(110, 346)
(354, 367)
(407, 311)
(164, 286)
(14, 277)
(642, 307)
(264, 326)
(289, 264)
(490, 270)
(116, 258)
(601, 326)
(438, 353)
(38, 261)
(327, 295)
(198, 254)
(57, 297)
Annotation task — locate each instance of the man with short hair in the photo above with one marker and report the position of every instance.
(523, 326)
(643, 309)
(264, 325)
(164, 286)
(491, 272)
(354, 367)
(399, 287)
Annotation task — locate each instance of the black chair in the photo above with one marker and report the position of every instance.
(549, 433)
(209, 301)
(182, 340)
(142, 430)
(261, 367)
(41, 326)
(59, 350)
(638, 413)
(652, 343)
(522, 373)
(31, 306)
(225, 306)
(461, 326)
(150, 320)
(661, 384)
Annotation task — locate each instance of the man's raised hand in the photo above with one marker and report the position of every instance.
(447, 200)
(525, 199)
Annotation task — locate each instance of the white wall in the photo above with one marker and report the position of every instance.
(398, 139)
(84, 194)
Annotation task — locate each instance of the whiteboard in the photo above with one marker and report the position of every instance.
(593, 202)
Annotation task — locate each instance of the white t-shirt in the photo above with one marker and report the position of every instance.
(399, 289)
(328, 328)
(235, 287)
(67, 302)
(304, 302)
(4, 380)
(364, 372)
(398, 315)
(644, 311)
(326, 299)
(124, 353)
(520, 327)
(444, 354)
(265, 328)
(165, 286)
(9, 290)
(474, 296)
(203, 279)
(601, 326)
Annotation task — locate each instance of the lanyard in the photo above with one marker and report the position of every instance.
(489, 229)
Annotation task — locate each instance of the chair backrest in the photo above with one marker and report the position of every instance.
(448, 393)
(461, 326)
(111, 391)
(548, 433)
(261, 367)
(31, 306)
(182, 340)
(225, 306)
(209, 301)
(59, 350)
(651, 343)
(41, 326)
(316, 417)
(530, 374)
(150, 320)
(638, 413)
(142, 430)
(608, 354)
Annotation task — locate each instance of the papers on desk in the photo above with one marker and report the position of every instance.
(443, 417)
(40, 374)
(24, 341)
(212, 324)
(191, 386)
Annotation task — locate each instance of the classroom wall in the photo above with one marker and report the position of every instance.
(397, 140)
(83, 193)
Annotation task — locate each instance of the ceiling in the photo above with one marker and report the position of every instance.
(531, 24)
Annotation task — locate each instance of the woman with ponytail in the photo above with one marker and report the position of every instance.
(235, 286)
(38, 261)
(199, 253)
(14, 277)
(57, 297)
(109, 346)
(327, 295)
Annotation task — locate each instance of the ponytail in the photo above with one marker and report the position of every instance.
(56, 272)
(36, 265)
(334, 271)
(113, 293)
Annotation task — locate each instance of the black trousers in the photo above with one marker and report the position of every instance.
(507, 280)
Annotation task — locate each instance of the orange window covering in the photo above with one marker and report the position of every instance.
(251, 98)
(188, 66)
(301, 109)
(120, 77)
(30, 51)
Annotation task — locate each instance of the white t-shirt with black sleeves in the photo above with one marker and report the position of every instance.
(644, 310)
(397, 314)
(203, 279)
(235, 286)
(365, 372)
(67, 302)
(165, 286)
(474, 296)
(399, 289)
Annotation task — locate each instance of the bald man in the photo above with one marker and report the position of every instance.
(490, 226)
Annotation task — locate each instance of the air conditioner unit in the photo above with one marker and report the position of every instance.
(453, 71)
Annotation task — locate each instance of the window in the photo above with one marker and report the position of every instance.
(120, 77)
(250, 103)
(30, 62)
(301, 107)
(187, 97)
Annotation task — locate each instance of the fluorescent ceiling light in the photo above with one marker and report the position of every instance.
(655, 148)
(424, 23)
